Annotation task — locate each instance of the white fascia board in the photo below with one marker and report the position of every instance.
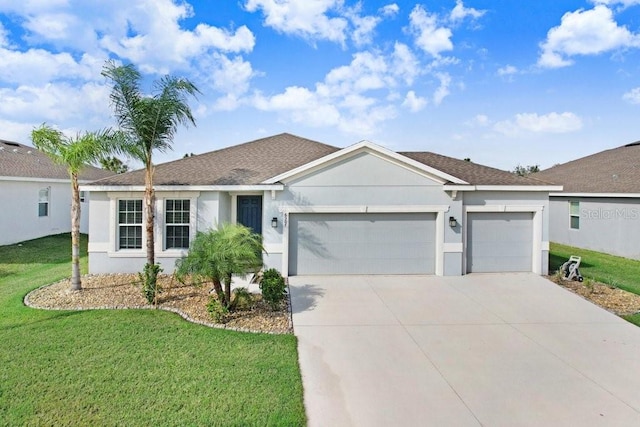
(30, 179)
(605, 195)
(456, 187)
(365, 209)
(156, 188)
(519, 188)
(373, 149)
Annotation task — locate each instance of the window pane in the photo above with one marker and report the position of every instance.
(574, 208)
(575, 222)
(43, 195)
(130, 237)
(177, 236)
(43, 209)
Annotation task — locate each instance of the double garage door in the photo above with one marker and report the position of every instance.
(362, 243)
(404, 243)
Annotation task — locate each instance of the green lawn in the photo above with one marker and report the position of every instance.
(131, 367)
(623, 273)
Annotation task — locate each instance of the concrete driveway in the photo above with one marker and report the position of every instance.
(490, 350)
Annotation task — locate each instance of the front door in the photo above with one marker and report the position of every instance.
(250, 212)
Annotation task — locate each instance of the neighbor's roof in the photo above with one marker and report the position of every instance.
(21, 161)
(610, 171)
(254, 162)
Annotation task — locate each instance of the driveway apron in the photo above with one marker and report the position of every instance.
(477, 350)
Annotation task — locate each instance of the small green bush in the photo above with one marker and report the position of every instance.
(273, 288)
(217, 310)
(242, 299)
(149, 280)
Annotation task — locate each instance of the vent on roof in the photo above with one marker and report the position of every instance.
(13, 144)
(633, 144)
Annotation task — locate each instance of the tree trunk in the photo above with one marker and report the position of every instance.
(149, 203)
(76, 283)
(227, 291)
(218, 288)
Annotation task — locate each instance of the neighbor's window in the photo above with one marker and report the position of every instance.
(574, 213)
(129, 224)
(43, 202)
(177, 224)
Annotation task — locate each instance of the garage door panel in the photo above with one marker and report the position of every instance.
(362, 243)
(499, 241)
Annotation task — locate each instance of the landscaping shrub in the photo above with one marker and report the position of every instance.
(217, 310)
(273, 288)
(149, 280)
(242, 299)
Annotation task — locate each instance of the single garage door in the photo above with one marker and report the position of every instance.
(499, 241)
(373, 243)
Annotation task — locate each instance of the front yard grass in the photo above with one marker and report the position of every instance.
(620, 272)
(131, 367)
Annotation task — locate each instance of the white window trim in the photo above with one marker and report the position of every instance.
(538, 244)
(161, 226)
(47, 202)
(572, 215)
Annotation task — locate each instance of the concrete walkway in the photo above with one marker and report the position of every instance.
(490, 350)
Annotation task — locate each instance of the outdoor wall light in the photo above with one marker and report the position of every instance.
(274, 222)
(452, 222)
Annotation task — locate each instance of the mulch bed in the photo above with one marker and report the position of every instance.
(615, 300)
(121, 291)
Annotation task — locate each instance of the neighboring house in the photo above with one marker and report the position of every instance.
(323, 210)
(599, 208)
(36, 194)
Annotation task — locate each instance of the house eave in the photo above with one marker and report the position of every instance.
(602, 195)
(134, 188)
(541, 188)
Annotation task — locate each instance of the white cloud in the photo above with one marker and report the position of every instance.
(364, 26)
(584, 32)
(624, 3)
(459, 12)
(430, 37)
(404, 63)
(507, 70)
(413, 102)
(546, 123)
(305, 18)
(389, 10)
(443, 90)
(633, 96)
(480, 120)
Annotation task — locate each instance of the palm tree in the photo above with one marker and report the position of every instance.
(148, 124)
(217, 255)
(75, 153)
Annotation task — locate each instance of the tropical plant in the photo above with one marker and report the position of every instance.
(273, 287)
(113, 164)
(148, 124)
(218, 254)
(75, 153)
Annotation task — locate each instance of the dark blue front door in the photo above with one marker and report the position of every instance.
(250, 212)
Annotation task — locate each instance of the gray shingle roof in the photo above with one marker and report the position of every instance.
(610, 171)
(254, 162)
(21, 161)
(245, 164)
(470, 172)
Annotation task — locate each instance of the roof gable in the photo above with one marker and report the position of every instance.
(611, 171)
(372, 149)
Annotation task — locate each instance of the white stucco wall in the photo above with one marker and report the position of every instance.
(19, 220)
(610, 225)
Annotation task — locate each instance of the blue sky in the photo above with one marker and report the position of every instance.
(502, 82)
